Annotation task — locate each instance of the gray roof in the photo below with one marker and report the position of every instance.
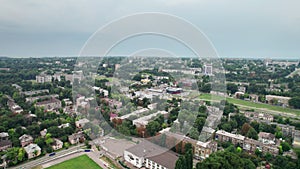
(31, 148)
(167, 159)
(146, 149)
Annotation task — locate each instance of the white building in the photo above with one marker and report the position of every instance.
(32, 150)
(149, 155)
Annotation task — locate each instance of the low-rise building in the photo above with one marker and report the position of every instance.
(202, 150)
(25, 140)
(32, 150)
(280, 100)
(43, 78)
(5, 143)
(266, 138)
(57, 144)
(224, 136)
(76, 138)
(43, 132)
(80, 123)
(49, 105)
(149, 155)
(259, 116)
(143, 121)
(296, 140)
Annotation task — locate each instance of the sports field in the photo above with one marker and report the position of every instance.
(249, 104)
(81, 162)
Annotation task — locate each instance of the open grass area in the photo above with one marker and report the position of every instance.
(80, 162)
(239, 102)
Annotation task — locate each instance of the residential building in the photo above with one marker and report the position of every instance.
(76, 138)
(14, 107)
(43, 78)
(80, 123)
(57, 144)
(113, 103)
(49, 105)
(266, 138)
(202, 150)
(25, 140)
(280, 100)
(208, 69)
(134, 113)
(5, 143)
(224, 136)
(32, 150)
(296, 141)
(259, 116)
(287, 130)
(43, 132)
(143, 121)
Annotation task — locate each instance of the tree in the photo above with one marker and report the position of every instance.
(153, 127)
(252, 133)
(232, 88)
(180, 163)
(199, 123)
(295, 102)
(189, 159)
(285, 146)
(245, 129)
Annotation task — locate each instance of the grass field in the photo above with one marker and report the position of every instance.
(250, 104)
(81, 162)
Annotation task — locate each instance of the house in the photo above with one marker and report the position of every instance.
(149, 155)
(5, 143)
(202, 150)
(57, 144)
(76, 138)
(80, 123)
(43, 132)
(64, 125)
(14, 107)
(266, 138)
(224, 136)
(32, 150)
(25, 140)
(49, 105)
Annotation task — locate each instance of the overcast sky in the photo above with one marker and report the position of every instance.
(246, 28)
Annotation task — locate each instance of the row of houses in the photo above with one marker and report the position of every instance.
(266, 142)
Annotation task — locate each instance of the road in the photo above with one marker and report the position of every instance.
(46, 158)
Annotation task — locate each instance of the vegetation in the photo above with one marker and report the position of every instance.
(77, 163)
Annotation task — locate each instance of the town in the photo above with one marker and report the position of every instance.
(160, 113)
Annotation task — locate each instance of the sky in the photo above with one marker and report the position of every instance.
(244, 28)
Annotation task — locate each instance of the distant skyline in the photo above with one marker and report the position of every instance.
(249, 28)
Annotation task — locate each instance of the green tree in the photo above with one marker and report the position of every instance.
(180, 163)
(252, 133)
(285, 146)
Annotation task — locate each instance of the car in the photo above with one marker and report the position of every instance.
(87, 150)
(52, 154)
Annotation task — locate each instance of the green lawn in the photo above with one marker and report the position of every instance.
(81, 162)
(250, 104)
